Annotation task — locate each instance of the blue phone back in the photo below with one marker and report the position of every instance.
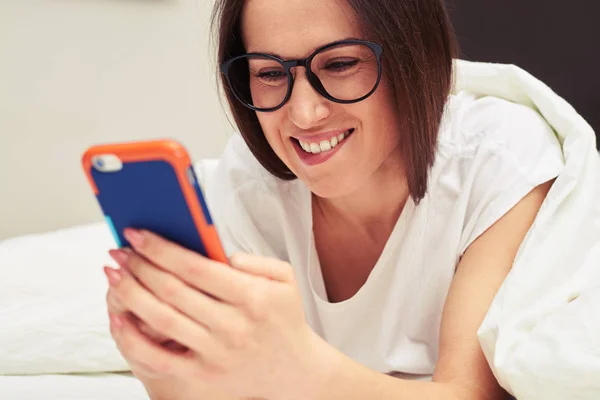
(147, 195)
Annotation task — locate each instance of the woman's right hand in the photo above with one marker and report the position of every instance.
(158, 388)
(114, 308)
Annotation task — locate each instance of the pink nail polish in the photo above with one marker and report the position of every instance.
(136, 238)
(112, 275)
(119, 256)
(116, 321)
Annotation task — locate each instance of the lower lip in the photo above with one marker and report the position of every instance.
(314, 159)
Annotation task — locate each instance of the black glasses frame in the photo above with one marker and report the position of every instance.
(312, 78)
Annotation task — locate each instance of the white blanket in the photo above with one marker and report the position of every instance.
(542, 332)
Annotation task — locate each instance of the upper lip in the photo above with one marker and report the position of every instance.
(319, 137)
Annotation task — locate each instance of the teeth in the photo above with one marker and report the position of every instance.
(325, 145)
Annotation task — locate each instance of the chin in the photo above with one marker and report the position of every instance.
(336, 180)
(332, 186)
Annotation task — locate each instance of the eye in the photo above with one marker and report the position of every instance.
(341, 65)
(271, 76)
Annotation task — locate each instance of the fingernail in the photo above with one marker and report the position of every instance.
(113, 275)
(136, 238)
(116, 321)
(119, 256)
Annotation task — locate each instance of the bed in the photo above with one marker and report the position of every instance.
(54, 338)
(101, 386)
(54, 330)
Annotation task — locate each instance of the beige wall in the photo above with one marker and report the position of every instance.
(76, 73)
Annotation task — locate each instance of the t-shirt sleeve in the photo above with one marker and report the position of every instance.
(516, 150)
(222, 186)
(239, 199)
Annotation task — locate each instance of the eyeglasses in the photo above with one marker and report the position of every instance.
(346, 71)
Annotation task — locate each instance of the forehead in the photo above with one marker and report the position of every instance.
(294, 28)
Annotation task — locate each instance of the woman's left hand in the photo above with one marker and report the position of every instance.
(243, 323)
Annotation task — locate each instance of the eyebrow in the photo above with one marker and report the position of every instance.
(311, 51)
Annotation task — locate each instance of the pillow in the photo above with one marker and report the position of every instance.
(52, 303)
(53, 315)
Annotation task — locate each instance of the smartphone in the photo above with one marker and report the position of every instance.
(152, 185)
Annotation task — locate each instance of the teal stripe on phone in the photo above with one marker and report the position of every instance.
(113, 230)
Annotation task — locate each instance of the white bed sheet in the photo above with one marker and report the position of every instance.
(114, 386)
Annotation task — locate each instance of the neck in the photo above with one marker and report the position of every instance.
(374, 208)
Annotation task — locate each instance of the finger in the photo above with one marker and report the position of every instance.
(214, 314)
(161, 317)
(114, 307)
(262, 266)
(156, 337)
(212, 277)
(117, 310)
(135, 366)
(121, 256)
(139, 350)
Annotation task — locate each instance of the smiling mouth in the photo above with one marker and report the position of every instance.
(325, 145)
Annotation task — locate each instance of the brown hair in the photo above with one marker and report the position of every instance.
(419, 45)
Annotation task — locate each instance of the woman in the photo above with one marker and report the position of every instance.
(370, 216)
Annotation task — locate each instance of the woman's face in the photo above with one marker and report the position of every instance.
(293, 29)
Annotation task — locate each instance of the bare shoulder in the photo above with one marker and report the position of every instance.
(479, 275)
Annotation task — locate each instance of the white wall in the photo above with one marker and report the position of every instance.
(79, 72)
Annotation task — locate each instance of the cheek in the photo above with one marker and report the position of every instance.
(270, 124)
(382, 119)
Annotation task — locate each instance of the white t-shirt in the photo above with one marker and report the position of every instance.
(491, 153)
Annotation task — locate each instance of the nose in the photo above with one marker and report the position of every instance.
(307, 108)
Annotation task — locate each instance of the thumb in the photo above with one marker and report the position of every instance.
(265, 267)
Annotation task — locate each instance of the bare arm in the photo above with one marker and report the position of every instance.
(162, 389)
(462, 371)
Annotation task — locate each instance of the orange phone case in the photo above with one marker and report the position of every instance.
(148, 153)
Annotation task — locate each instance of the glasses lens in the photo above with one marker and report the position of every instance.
(348, 71)
(258, 81)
